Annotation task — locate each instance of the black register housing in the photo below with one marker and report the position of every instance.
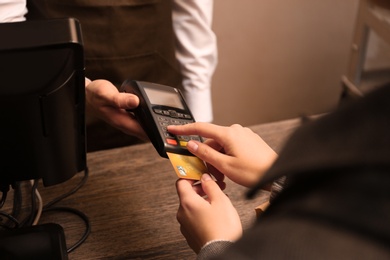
(42, 106)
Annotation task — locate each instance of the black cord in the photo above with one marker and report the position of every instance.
(29, 219)
(3, 199)
(11, 218)
(74, 190)
(82, 216)
(17, 205)
(49, 207)
(4, 189)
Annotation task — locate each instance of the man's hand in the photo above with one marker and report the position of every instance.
(106, 102)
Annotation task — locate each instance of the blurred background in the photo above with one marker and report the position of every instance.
(281, 59)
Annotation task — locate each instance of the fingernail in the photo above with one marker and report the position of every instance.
(192, 146)
(206, 177)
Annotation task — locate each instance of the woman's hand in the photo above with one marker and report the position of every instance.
(203, 219)
(234, 151)
(106, 102)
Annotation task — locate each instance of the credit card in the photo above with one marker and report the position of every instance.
(187, 167)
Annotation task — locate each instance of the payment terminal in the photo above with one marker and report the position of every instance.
(159, 107)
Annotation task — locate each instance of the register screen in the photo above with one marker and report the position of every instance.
(160, 97)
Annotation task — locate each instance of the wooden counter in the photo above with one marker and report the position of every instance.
(131, 201)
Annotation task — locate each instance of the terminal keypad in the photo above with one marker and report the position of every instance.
(172, 117)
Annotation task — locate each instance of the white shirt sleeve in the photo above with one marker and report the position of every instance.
(12, 10)
(196, 51)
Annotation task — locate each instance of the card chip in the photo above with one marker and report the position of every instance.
(182, 171)
(186, 166)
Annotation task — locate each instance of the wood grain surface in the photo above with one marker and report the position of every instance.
(131, 202)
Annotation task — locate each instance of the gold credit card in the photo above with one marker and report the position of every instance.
(187, 167)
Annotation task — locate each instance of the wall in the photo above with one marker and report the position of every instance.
(279, 59)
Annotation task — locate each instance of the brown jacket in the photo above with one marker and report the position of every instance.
(336, 202)
(122, 39)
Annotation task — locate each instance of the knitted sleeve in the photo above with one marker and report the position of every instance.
(213, 248)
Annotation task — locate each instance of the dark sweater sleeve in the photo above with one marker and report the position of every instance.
(213, 248)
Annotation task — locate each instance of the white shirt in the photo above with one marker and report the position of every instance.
(12, 10)
(196, 51)
(196, 48)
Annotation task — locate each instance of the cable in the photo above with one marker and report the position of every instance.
(4, 189)
(74, 190)
(3, 199)
(82, 216)
(49, 207)
(37, 208)
(11, 218)
(30, 219)
(17, 204)
(40, 204)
